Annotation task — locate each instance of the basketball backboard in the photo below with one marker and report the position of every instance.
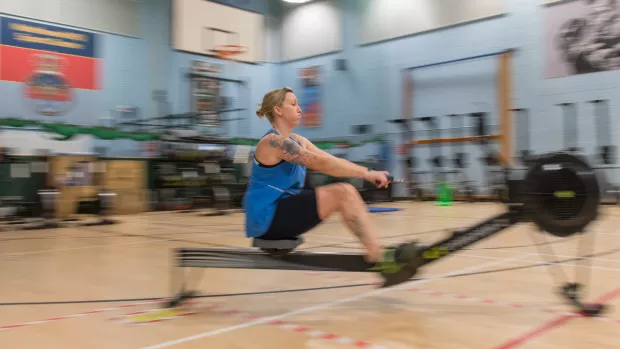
(203, 27)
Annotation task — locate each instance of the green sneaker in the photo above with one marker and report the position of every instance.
(399, 264)
(388, 263)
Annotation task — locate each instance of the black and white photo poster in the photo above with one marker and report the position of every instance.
(582, 36)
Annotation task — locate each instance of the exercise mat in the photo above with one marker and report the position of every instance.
(383, 209)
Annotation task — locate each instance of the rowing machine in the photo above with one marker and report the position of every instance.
(559, 194)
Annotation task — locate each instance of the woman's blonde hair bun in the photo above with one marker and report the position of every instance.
(271, 99)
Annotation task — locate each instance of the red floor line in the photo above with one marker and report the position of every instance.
(537, 332)
(513, 343)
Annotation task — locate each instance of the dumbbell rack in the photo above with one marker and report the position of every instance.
(436, 161)
(463, 185)
(606, 152)
(494, 171)
(570, 128)
(414, 190)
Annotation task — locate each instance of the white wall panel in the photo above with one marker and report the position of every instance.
(310, 30)
(111, 16)
(387, 19)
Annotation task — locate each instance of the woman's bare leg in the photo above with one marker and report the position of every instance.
(344, 198)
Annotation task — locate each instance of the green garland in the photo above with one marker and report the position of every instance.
(68, 131)
(324, 144)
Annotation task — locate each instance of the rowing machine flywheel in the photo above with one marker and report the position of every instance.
(561, 194)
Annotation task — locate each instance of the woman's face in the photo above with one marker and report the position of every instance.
(290, 112)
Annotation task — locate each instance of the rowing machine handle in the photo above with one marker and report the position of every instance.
(390, 179)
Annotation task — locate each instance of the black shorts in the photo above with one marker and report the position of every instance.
(295, 215)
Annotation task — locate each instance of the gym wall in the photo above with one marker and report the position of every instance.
(263, 77)
(374, 46)
(114, 74)
(370, 90)
(258, 70)
(133, 62)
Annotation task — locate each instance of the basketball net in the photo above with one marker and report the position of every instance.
(228, 52)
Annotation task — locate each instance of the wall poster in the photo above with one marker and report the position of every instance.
(310, 97)
(581, 37)
(48, 63)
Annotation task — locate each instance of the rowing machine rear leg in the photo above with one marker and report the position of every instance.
(572, 292)
(184, 292)
(178, 276)
(180, 298)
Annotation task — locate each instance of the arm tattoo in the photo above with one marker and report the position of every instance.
(290, 151)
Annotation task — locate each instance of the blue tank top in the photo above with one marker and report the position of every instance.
(267, 185)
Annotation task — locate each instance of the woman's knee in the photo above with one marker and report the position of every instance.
(334, 197)
(345, 192)
(349, 191)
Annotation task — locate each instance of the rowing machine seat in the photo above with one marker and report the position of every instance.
(278, 246)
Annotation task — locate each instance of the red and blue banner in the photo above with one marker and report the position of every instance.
(311, 102)
(50, 61)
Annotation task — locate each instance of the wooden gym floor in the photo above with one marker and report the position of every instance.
(97, 287)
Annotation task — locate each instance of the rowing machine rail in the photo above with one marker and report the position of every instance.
(323, 261)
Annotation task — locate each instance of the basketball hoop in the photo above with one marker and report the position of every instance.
(229, 51)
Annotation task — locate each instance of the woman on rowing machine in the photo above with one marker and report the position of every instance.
(277, 208)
